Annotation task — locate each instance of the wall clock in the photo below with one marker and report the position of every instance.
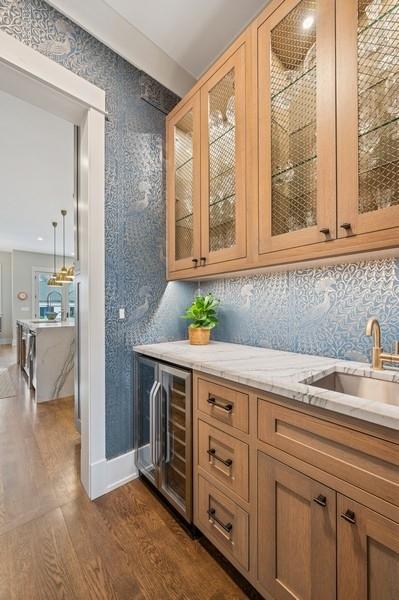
(22, 296)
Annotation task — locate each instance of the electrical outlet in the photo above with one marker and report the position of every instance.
(121, 314)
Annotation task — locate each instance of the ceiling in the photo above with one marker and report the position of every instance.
(193, 33)
(36, 175)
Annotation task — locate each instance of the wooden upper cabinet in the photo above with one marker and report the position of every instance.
(223, 185)
(368, 115)
(296, 534)
(296, 85)
(368, 553)
(183, 186)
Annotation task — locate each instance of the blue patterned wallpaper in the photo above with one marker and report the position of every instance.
(319, 311)
(134, 203)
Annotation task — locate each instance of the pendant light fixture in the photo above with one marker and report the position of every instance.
(52, 281)
(63, 275)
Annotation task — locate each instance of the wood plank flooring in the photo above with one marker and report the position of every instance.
(55, 543)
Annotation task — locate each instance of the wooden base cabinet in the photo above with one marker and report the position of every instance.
(296, 533)
(368, 553)
(269, 494)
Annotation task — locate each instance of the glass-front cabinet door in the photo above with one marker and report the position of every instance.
(296, 74)
(368, 115)
(176, 427)
(183, 155)
(223, 130)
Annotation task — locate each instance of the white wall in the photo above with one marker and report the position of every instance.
(22, 264)
(6, 332)
(37, 177)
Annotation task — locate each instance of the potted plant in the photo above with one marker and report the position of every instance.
(203, 317)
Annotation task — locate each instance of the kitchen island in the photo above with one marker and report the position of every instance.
(45, 352)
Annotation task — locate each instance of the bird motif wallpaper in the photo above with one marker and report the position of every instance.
(134, 199)
(319, 311)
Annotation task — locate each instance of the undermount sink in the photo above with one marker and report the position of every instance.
(378, 390)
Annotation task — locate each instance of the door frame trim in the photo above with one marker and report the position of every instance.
(27, 74)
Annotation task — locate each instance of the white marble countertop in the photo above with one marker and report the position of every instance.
(34, 325)
(281, 373)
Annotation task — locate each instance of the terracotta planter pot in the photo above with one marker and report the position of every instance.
(199, 336)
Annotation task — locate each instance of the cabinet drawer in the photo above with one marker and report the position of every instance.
(224, 457)
(223, 522)
(224, 404)
(361, 459)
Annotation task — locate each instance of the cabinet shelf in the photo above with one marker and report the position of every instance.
(377, 127)
(287, 87)
(300, 164)
(376, 167)
(178, 408)
(184, 164)
(380, 18)
(221, 136)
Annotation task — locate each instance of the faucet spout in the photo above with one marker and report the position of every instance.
(373, 329)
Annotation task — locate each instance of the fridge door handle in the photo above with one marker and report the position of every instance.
(152, 423)
(156, 424)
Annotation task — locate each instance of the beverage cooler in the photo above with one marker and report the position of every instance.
(163, 419)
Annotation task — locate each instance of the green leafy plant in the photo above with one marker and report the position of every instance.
(202, 312)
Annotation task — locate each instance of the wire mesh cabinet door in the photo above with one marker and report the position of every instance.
(297, 161)
(183, 187)
(223, 185)
(368, 115)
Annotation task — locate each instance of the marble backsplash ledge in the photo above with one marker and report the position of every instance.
(320, 311)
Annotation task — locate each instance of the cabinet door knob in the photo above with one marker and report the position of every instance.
(346, 226)
(325, 230)
(349, 516)
(195, 262)
(320, 500)
(202, 261)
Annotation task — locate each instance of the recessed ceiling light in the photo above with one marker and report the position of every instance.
(308, 22)
(40, 239)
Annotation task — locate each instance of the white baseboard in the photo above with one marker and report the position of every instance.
(107, 475)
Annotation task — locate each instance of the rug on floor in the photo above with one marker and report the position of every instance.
(7, 388)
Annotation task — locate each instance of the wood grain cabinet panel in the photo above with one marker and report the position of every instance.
(225, 458)
(224, 404)
(223, 522)
(368, 553)
(183, 187)
(296, 86)
(296, 534)
(366, 461)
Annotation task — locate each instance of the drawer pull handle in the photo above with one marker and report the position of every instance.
(228, 527)
(227, 407)
(349, 516)
(212, 452)
(320, 500)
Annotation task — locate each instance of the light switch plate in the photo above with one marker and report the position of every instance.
(121, 314)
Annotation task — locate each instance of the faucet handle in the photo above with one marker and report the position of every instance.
(396, 347)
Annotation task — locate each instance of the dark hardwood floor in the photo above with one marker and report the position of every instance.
(55, 543)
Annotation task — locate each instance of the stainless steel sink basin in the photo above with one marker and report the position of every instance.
(367, 388)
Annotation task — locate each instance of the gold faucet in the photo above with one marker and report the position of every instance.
(379, 356)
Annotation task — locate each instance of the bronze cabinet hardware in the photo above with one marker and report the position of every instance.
(202, 261)
(227, 407)
(212, 452)
(195, 261)
(346, 226)
(228, 527)
(325, 230)
(349, 516)
(320, 500)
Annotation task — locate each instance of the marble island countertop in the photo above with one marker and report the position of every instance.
(282, 373)
(35, 324)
